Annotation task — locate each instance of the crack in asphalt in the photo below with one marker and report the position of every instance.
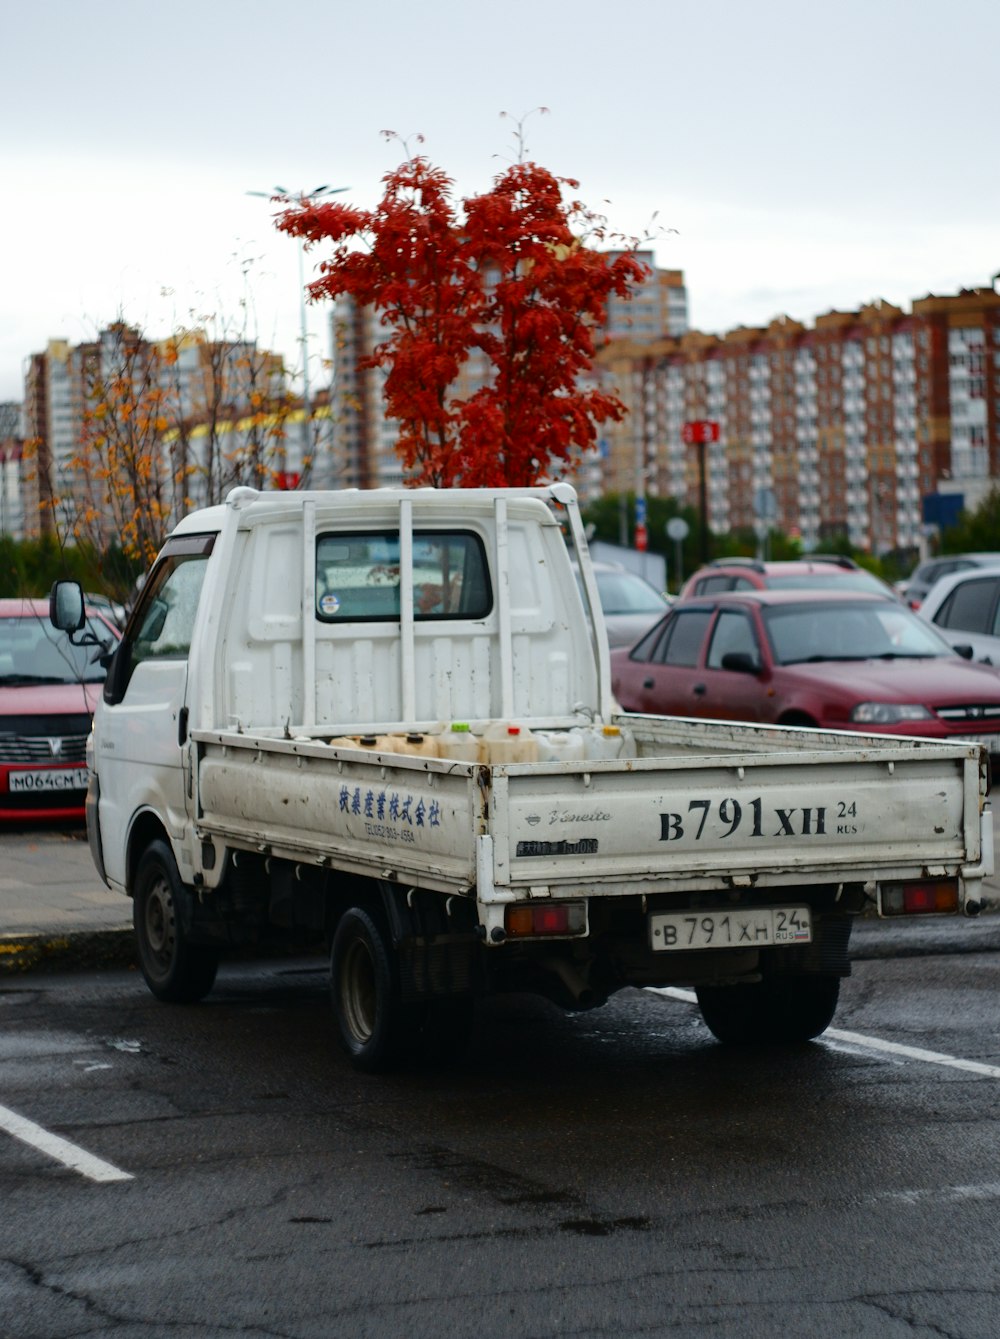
(888, 1304)
(105, 1316)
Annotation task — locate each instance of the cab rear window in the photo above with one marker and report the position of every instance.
(358, 576)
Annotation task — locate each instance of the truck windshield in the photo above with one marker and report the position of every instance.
(357, 576)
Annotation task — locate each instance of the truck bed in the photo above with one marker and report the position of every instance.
(704, 805)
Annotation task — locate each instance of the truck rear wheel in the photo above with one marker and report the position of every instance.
(375, 1027)
(174, 969)
(777, 1009)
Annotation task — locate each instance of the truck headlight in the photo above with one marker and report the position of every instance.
(889, 713)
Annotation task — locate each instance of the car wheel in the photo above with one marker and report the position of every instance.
(174, 969)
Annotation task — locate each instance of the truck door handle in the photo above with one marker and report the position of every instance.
(182, 725)
(699, 690)
(648, 683)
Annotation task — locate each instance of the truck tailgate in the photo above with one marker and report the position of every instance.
(767, 820)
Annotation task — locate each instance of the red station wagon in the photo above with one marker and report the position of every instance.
(48, 689)
(832, 659)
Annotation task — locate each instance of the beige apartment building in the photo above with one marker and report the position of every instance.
(860, 425)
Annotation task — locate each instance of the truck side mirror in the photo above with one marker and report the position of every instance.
(66, 611)
(965, 651)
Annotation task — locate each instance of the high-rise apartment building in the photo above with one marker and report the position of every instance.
(209, 398)
(363, 449)
(853, 427)
(11, 447)
(657, 306)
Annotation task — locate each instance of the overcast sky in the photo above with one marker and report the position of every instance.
(809, 155)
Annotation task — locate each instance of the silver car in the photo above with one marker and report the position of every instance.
(630, 604)
(914, 589)
(965, 609)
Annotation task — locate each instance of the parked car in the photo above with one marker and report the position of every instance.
(835, 659)
(926, 574)
(48, 689)
(820, 571)
(630, 604)
(965, 609)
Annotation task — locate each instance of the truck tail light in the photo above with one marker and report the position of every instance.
(922, 897)
(529, 921)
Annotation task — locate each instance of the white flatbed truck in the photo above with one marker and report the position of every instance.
(276, 754)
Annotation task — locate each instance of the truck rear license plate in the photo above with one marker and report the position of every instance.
(755, 928)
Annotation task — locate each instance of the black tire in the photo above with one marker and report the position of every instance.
(174, 969)
(780, 1009)
(376, 1029)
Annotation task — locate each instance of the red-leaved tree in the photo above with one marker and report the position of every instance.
(511, 288)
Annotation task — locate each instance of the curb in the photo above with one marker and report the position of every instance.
(104, 950)
(85, 950)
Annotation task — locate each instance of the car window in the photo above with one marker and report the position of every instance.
(710, 585)
(742, 583)
(833, 580)
(683, 636)
(970, 606)
(644, 649)
(733, 631)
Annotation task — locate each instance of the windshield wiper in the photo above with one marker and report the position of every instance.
(905, 655)
(818, 659)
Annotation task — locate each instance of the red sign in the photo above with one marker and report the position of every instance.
(700, 430)
(641, 537)
(287, 479)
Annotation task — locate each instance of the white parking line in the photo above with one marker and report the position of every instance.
(869, 1043)
(70, 1155)
(912, 1052)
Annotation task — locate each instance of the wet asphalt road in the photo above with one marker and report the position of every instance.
(613, 1173)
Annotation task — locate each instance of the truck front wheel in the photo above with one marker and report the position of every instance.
(777, 1009)
(375, 1027)
(174, 969)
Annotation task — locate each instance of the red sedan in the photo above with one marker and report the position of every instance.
(48, 689)
(843, 661)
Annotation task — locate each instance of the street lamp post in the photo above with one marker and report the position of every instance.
(301, 198)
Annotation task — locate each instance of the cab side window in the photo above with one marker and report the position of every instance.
(163, 620)
(166, 628)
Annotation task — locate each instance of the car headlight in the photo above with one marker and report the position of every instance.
(889, 713)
